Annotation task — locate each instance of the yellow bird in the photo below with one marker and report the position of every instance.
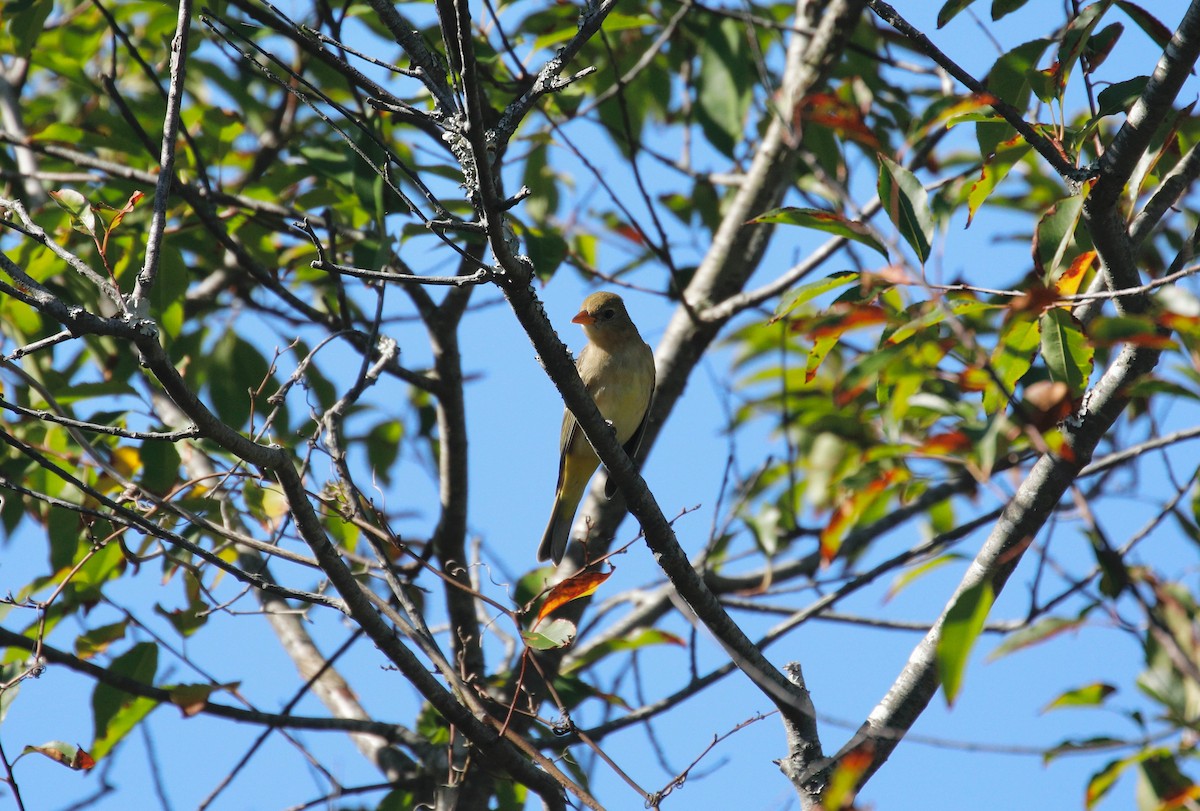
(617, 368)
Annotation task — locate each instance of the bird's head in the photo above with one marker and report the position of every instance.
(604, 319)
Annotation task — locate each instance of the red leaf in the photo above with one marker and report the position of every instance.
(581, 584)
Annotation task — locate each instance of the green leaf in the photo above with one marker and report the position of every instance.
(826, 221)
(807, 292)
(557, 633)
(383, 446)
(1077, 36)
(950, 10)
(116, 712)
(236, 369)
(1011, 359)
(1056, 232)
(725, 84)
(1066, 350)
(1090, 695)
(907, 204)
(906, 578)
(398, 800)
(73, 757)
(25, 21)
(1002, 8)
(964, 622)
(546, 249)
(8, 673)
(1075, 746)
(642, 639)
(1153, 27)
(1120, 96)
(995, 168)
(1039, 632)
(83, 218)
(1102, 781)
(97, 640)
(1101, 44)
(160, 463)
(1168, 783)
(1009, 77)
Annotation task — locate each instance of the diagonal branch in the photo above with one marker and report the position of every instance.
(1011, 114)
(166, 160)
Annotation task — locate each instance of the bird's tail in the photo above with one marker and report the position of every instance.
(554, 541)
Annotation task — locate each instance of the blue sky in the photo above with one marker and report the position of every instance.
(514, 414)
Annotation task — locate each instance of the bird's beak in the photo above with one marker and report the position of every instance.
(584, 317)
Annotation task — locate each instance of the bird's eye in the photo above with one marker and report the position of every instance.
(608, 314)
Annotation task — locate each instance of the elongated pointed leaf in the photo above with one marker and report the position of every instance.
(826, 221)
(964, 622)
(1089, 695)
(950, 10)
(994, 170)
(1056, 232)
(1041, 631)
(808, 292)
(1068, 354)
(907, 204)
(1011, 359)
(116, 712)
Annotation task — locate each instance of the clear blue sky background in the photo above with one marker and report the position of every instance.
(848, 668)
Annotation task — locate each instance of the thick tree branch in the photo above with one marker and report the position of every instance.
(1148, 112)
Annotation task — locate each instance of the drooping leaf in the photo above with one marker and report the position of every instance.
(192, 698)
(1132, 329)
(964, 622)
(1056, 231)
(908, 576)
(1153, 27)
(1078, 35)
(724, 84)
(116, 712)
(25, 22)
(1102, 781)
(1067, 352)
(83, 218)
(1169, 785)
(1002, 8)
(907, 205)
(97, 640)
(1118, 97)
(1011, 359)
(950, 10)
(852, 507)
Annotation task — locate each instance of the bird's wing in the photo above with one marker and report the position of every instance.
(634, 443)
(569, 429)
